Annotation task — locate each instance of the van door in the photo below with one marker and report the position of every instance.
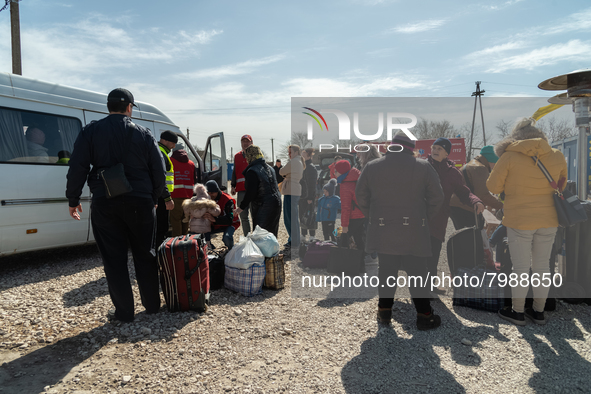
(214, 160)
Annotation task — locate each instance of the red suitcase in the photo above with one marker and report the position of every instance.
(184, 272)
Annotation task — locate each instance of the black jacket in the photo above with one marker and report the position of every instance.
(263, 195)
(308, 182)
(101, 144)
(261, 184)
(277, 175)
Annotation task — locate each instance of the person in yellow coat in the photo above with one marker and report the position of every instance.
(530, 216)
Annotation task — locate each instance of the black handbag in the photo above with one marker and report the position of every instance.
(568, 206)
(116, 183)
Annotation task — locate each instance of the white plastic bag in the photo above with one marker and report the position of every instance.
(266, 241)
(244, 254)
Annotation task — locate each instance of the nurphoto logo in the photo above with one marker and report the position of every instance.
(393, 122)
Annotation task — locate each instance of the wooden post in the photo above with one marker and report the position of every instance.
(16, 37)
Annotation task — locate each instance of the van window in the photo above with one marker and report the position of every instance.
(34, 137)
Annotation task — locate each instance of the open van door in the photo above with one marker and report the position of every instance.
(214, 160)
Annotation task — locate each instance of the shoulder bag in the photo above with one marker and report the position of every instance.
(114, 178)
(568, 206)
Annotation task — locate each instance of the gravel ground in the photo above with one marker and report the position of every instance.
(54, 337)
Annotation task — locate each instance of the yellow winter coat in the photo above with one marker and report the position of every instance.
(528, 195)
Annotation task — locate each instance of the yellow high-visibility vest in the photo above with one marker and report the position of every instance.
(169, 174)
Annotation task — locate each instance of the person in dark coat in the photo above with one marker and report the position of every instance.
(452, 182)
(277, 167)
(261, 192)
(399, 210)
(308, 197)
(128, 220)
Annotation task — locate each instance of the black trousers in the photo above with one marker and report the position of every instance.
(117, 224)
(304, 208)
(327, 231)
(462, 218)
(433, 261)
(162, 222)
(414, 266)
(357, 231)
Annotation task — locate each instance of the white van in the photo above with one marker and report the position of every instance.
(33, 207)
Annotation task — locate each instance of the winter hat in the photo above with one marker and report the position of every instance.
(444, 143)
(200, 193)
(169, 136)
(212, 186)
(402, 139)
(489, 154)
(343, 166)
(330, 186)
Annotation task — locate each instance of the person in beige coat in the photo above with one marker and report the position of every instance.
(291, 189)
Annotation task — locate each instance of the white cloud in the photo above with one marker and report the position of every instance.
(246, 67)
(97, 45)
(572, 51)
(502, 5)
(200, 37)
(418, 27)
(496, 50)
(579, 21)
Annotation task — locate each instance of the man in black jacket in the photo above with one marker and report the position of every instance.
(128, 219)
(277, 167)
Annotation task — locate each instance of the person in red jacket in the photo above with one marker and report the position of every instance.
(332, 166)
(226, 222)
(352, 219)
(452, 182)
(185, 178)
(238, 180)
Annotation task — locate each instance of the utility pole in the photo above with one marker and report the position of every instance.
(15, 32)
(188, 134)
(272, 151)
(477, 97)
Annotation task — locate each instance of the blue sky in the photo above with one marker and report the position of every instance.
(233, 66)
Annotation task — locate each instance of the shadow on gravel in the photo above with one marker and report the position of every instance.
(45, 265)
(49, 365)
(87, 293)
(561, 367)
(390, 364)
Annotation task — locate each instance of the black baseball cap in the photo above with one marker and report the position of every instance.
(121, 95)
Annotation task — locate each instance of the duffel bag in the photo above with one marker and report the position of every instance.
(485, 294)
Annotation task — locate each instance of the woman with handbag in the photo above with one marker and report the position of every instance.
(530, 214)
(308, 198)
(291, 189)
